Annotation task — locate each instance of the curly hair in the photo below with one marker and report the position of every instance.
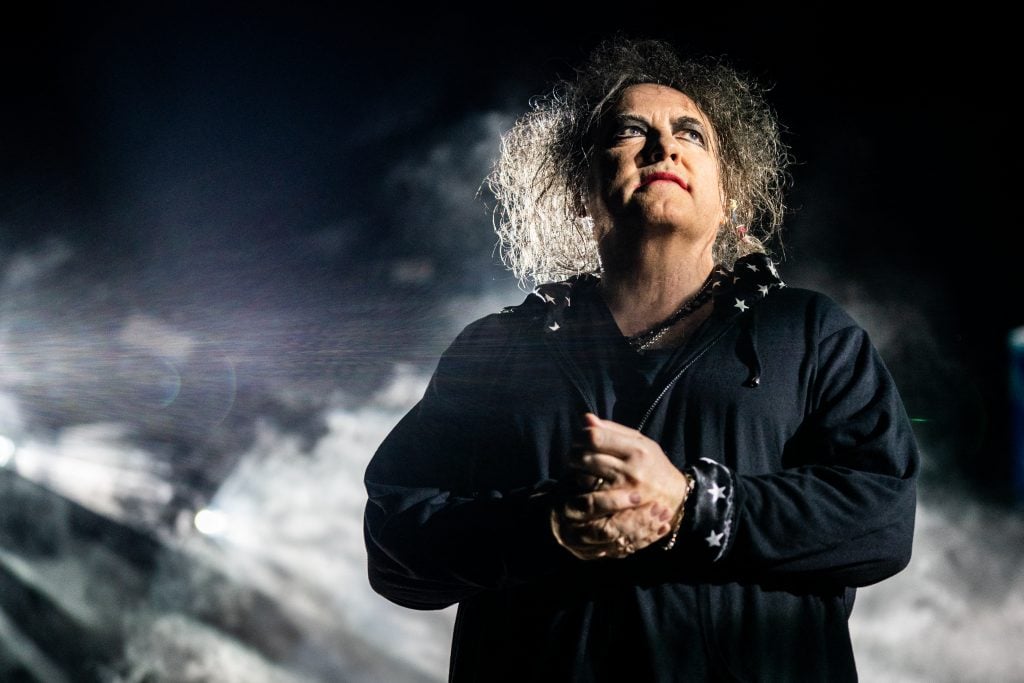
(540, 177)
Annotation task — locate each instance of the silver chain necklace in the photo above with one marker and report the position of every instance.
(644, 340)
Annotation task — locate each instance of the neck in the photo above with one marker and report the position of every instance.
(646, 282)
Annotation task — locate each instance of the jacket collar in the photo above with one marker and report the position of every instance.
(751, 280)
(737, 294)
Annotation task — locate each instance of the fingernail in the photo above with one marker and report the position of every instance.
(635, 498)
(663, 529)
(655, 510)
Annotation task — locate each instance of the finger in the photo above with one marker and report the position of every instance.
(621, 444)
(614, 549)
(588, 482)
(596, 475)
(589, 551)
(612, 468)
(582, 482)
(597, 543)
(586, 536)
(600, 503)
(617, 535)
(587, 542)
(595, 537)
(640, 525)
(608, 552)
(568, 535)
(592, 420)
(600, 531)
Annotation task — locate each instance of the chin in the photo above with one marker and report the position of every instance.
(682, 227)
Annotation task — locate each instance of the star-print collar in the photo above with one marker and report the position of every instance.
(735, 291)
(751, 280)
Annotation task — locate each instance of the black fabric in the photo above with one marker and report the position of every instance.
(605, 353)
(805, 490)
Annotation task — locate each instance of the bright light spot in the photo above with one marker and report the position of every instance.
(7, 449)
(211, 522)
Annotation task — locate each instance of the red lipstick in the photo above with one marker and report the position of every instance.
(664, 175)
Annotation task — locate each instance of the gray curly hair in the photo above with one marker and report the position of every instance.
(540, 177)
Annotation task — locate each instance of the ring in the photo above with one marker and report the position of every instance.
(625, 544)
(598, 484)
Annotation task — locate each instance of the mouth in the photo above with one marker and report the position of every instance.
(664, 175)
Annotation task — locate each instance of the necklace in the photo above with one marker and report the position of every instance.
(642, 341)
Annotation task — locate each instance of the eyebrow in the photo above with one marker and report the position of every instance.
(679, 123)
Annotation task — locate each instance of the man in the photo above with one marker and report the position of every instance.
(668, 466)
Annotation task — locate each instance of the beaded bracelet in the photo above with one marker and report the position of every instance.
(677, 519)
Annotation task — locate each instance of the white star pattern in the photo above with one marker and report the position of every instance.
(736, 279)
(716, 492)
(715, 540)
(752, 267)
(781, 284)
(741, 304)
(763, 289)
(567, 302)
(554, 327)
(550, 299)
(771, 267)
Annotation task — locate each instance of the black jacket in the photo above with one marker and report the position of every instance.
(779, 406)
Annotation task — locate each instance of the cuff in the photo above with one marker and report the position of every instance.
(709, 509)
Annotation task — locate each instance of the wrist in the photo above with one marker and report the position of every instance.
(677, 518)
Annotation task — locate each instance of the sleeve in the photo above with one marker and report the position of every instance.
(431, 538)
(841, 512)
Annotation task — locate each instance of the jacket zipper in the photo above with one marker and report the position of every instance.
(569, 367)
(694, 359)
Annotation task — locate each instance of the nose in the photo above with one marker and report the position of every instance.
(663, 145)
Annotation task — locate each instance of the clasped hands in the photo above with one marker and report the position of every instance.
(630, 493)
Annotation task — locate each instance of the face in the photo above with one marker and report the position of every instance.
(655, 167)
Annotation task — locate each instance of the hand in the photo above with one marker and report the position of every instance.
(595, 536)
(637, 492)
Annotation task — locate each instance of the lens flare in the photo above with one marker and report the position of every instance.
(211, 522)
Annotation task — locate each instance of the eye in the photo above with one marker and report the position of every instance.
(629, 131)
(693, 135)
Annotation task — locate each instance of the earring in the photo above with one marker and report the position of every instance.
(741, 230)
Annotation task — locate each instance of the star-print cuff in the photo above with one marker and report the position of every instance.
(710, 509)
